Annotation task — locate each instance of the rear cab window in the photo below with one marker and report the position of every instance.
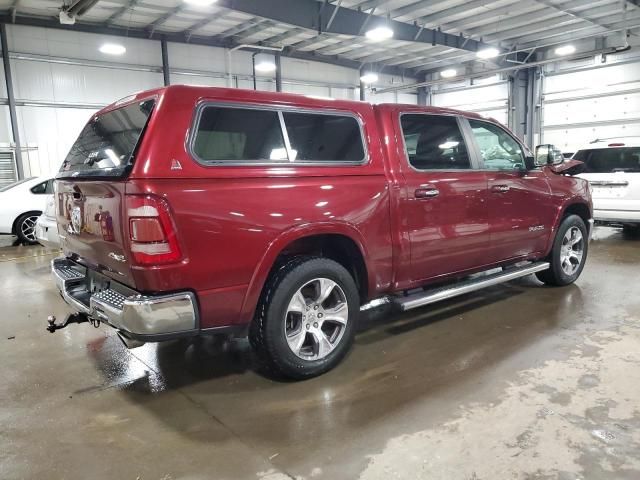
(107, 144)
(243, 135)
(434, 142)
(610, 160)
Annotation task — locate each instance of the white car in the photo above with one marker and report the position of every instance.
(612, 167)
(47, 226)
(21, 204)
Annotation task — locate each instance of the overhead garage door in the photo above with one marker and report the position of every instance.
(490, 100)
(583, 105)
(7, 168)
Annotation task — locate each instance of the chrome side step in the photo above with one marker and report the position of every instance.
(467, 286)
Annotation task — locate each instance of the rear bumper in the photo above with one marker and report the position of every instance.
(145, 318)
(47, 232)
(616, 216)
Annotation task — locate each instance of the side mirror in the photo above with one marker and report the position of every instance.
(548, 155)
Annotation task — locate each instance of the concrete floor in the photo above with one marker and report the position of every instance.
(516, 382)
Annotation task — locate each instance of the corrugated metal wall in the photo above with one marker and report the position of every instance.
(488, 97)
(588, 100)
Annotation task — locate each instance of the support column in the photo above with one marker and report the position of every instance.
(363, 96)
(278, 72)
(424, 93)
(165, 63)
(524, 105)
(11, 100)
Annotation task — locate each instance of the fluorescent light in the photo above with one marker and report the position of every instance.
(565, 50)
(112, 49)
(200, 3)
(265, 63)
(265, 67)
(488, 53)
(379, 34)
(278, 154)
(447, 145)
(448, 73)
(369, 77)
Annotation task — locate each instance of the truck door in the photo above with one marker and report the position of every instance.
(443, 207)
(521, 212)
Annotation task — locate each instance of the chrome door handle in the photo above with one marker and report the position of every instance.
(426, 192)
(500, 188)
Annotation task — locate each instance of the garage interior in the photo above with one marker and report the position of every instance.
(515, 381)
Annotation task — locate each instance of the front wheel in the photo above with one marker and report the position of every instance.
(568, 254)
(305, 322)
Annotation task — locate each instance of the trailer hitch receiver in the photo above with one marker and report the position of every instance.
(52, 326)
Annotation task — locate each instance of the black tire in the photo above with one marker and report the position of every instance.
(268, 332)
(556, 275)
(25, 228)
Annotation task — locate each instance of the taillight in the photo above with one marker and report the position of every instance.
(152, 231)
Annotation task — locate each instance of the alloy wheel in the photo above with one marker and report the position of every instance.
(316, 319)
(28, 228)
(572, 251)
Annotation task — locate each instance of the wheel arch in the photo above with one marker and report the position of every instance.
(340, 242)
(576, 206)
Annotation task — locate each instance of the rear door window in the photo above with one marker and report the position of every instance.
(107, 143)
(232, 135)
(610, 160)
(324, 137)
(434, 142)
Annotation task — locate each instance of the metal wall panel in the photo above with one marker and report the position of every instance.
(47, 134)
(591, 101)
(491, 100)
(79, 45)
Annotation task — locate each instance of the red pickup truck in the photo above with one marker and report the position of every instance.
(191, 210)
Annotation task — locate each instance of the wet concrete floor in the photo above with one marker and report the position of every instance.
(519, 381)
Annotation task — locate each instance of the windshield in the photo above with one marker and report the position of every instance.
(609, 160)
(107, 143)
(15, 184)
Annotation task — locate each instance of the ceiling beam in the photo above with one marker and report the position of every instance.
(215, 41)
(307, 14)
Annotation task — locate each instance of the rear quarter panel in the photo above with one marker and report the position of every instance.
(232, 222)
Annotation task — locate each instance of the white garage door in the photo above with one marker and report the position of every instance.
(581, 106)
(7, 168)
(490, 100)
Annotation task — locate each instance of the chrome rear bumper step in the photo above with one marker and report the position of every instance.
(467, 286)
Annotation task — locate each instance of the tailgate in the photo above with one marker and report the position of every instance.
(90, 189)
(615, 191)
(90, 223)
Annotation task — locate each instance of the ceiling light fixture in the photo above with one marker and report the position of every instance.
(565, 50)
(200, 3)
(488, 53)
(265, 63)
(112, 49)
(378, 34)
(448, 73)
(369, 77)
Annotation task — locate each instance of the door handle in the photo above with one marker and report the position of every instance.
(426, 192)
(500, 188)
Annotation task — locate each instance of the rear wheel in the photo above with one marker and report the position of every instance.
(26, 228)
(568, 254)
(305, 321)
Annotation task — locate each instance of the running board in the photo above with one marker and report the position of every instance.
(431, 296)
